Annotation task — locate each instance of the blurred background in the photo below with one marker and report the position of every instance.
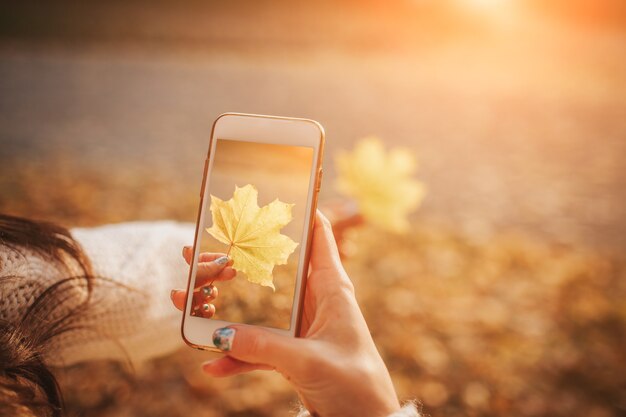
(506, 297)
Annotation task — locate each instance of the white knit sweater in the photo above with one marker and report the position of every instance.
(136, 321)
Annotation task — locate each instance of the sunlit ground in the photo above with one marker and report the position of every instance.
(506, 296)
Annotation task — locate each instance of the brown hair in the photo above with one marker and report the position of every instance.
(27, 386)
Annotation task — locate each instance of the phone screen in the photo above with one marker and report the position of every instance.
(239, 172)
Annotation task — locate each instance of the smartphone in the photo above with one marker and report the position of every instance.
(278, 162)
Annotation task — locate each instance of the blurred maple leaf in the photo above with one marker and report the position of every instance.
(252, 233)
(381, 182)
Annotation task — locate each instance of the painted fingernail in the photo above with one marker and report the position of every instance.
(185, 249)
(207, 291)
(222, 260)
(208, 310)
(174, 292)
(223, 338)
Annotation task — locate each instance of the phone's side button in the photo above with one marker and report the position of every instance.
(320, 173)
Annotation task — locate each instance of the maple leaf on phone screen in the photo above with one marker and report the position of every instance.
(252, 233)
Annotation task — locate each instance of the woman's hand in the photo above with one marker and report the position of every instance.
(211, 267)
(335, 367)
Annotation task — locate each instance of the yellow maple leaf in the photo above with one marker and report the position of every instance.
(381, 183)
(252, 233)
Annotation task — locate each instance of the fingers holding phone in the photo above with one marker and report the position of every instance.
(211, 267)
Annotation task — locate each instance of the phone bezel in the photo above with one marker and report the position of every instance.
(197, 332)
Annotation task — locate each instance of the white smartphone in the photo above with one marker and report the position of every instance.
(278, 162)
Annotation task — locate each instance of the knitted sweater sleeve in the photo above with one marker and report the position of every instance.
(135, 318)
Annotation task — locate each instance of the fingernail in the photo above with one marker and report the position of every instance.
(223, 338)
(173, 292)
(222, 260)
(185, 249)
(207, 291)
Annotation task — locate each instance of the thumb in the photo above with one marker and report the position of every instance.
(324, 253)
(207, 272)
(260, 346)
